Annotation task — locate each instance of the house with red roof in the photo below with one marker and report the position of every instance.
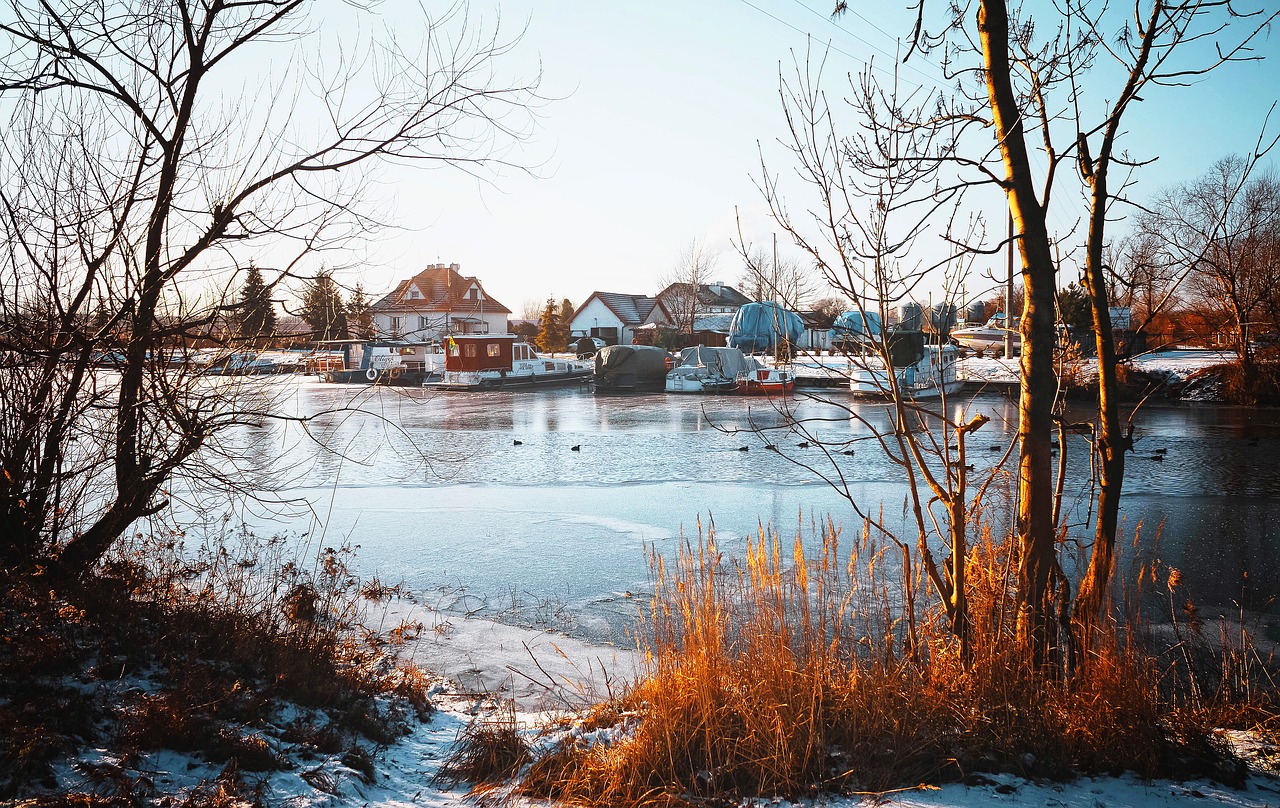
(436, 302)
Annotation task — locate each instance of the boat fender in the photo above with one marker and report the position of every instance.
(670, 363)
(371, 374)
(394, 373)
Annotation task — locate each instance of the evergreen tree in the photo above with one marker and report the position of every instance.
(359, 318)
(323, 309)
(566, 320)
(256, 315)
(549, 337)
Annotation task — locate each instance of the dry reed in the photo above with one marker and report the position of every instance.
(782, 674)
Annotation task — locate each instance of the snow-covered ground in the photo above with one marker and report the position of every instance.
(1172, 365)
(545, 675)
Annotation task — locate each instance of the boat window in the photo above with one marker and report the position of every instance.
(494, 349)
(453, 348)
(469, 351)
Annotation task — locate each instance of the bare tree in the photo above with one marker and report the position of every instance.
(1027, 90)
(880, 193)
(130, 170)
(1221, 230)
(785, 281)
(681, 297)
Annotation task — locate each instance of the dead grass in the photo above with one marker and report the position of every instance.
(786, 675)
(489, 752)
(227, 634)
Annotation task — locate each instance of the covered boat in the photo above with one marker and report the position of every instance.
(499, 362)
(853, 331)
(764, 327)
(631, 369)
(918, 370)
(708, 370)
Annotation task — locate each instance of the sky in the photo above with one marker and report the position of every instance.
(659, 116)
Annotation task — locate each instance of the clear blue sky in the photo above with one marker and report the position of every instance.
(653, 141)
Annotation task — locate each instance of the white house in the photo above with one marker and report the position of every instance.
(611, 316)
(436, 302)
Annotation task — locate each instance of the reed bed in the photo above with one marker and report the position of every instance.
(785, 674)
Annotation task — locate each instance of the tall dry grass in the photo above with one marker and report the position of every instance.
(783, 674)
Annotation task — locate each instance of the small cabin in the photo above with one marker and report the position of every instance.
(475, 352)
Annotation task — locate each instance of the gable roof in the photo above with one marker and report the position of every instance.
(443, 288)
(710, 295)
(630, 309)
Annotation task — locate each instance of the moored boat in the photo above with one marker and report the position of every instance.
(631, 369)
(765, 382)
(917, 370)
(701, 369)
(475, 362)
(989, 337)
(390, 362)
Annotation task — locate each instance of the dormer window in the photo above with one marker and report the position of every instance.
(473, 293)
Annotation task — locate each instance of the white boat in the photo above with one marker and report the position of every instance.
(499, 362)
(989, 337)
(920, 371)
(701, 369)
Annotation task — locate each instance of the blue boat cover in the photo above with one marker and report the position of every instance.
(763, 326)
(853, 324)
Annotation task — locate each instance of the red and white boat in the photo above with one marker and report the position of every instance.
(764, 382)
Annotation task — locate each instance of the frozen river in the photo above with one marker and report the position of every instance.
(482, 503)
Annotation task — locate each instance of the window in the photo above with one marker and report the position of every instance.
(397, 326)
(469, 350)
(495, 350)
(423, 322)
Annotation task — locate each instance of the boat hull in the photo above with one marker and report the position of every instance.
(765, 382)
(474, 383)
(391, 377)
(933, 375)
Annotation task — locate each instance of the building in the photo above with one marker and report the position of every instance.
(611, 316)
(436, 302)
(693, 314)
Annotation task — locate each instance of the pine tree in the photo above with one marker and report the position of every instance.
(359, 318)
(323, 309)
(256, 315)
(549, 338)
(566, 320)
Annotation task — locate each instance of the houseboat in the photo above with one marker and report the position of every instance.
(765, 381)
(499, 362)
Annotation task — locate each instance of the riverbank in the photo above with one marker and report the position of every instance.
(142, 708)
(200, 679)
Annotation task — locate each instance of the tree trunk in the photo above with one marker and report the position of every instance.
(1035, 406)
